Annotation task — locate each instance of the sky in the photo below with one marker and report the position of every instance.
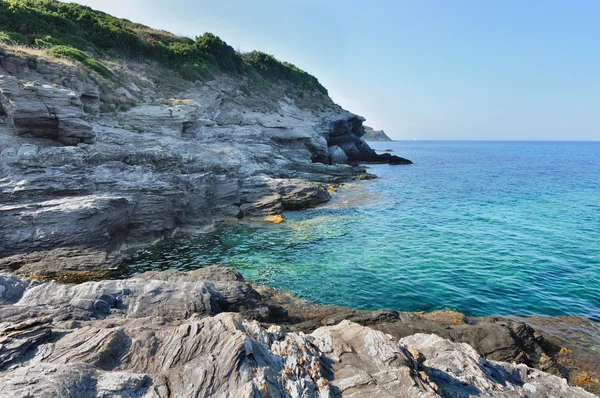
(426, 69)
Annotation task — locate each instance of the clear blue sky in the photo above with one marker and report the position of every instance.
(461, 69)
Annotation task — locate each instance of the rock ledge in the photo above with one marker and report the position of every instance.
(171, 334)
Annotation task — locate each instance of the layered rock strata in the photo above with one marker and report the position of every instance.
(180, 334)
(91, 166)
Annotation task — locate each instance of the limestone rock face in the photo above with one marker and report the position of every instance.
(173, 117)
(45, 111)
(170, 334)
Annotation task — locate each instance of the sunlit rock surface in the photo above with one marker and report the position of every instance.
(170, 334)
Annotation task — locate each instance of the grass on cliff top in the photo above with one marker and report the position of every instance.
(49, 23)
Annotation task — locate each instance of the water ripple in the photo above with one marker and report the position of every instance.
(482, 228)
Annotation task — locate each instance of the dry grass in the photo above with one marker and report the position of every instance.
(20, 50)
(178, 101)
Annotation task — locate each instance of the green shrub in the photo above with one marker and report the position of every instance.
(224, 54)
(98, 68)
(13, 38)
(77, 42)
(69, 53)
(47, 41)
(269, 67)
(77, 55)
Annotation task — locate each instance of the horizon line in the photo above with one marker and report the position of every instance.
(489, 140)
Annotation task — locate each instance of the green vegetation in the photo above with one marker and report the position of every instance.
(77, 55)
(13, 38)
(98, 67)
(270, 67)
(69, 53)
(81, 34)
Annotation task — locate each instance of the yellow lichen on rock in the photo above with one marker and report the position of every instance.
(332, 189)
(448, 317)
(276, 219)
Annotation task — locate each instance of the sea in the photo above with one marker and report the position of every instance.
(479, 227)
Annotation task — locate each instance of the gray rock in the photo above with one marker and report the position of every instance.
(337, 155)
(44, 111)
(216, 273)
(300, 194)
(163, 295)
(366, 363)
(16, 339)
(495, 338)
(459, 371)
(158, 336)
(163, 157)
(12, 288)
(72, 380)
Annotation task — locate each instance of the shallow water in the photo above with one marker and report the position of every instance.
(479, 227)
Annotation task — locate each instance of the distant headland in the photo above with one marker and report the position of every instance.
(375, 135)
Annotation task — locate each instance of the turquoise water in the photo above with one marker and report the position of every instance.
(479, 227)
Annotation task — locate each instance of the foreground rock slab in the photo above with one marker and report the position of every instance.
(172, 334)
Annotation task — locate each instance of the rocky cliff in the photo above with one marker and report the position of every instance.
(375, 135)
(91, 165)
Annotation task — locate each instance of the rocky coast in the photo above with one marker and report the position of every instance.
(92, 168)
(210, 333)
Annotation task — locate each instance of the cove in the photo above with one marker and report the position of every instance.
(479, 227)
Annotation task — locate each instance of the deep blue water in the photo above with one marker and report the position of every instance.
(479, 227)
